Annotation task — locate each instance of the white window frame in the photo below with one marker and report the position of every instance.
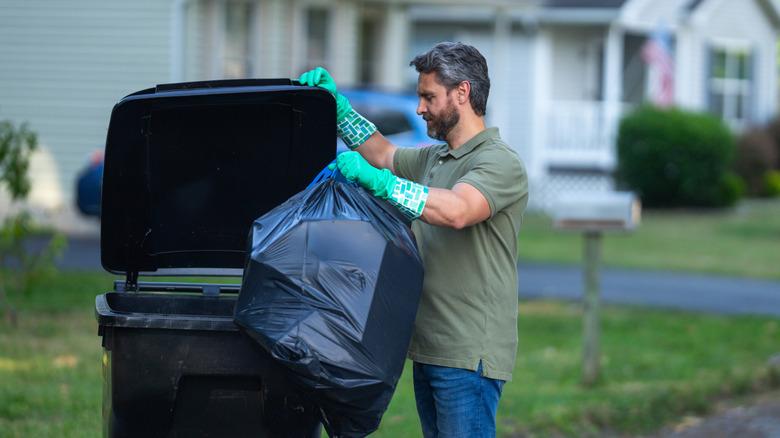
(732, 87)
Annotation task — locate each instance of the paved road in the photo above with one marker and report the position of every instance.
(714, 294)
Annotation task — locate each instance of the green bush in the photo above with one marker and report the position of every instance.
(677, 158)
(772, 183)
(16, 146)
(756, 155)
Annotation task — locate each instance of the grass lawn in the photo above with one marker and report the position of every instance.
(657, 365)
(743, 241)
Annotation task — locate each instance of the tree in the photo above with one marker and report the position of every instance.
(19, 266)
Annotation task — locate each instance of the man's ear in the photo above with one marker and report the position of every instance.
(463, 90)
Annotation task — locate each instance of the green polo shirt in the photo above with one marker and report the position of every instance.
(468, 308)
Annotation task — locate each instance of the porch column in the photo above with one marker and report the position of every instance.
(541, 97)
(177, 44)
(270, 43)
(394, 48)
(501, 80)
(215, 40)
(613, 87)
(343, 43)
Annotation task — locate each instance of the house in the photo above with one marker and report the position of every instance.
(563, 71)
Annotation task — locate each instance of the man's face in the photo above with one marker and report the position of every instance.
(436, 106)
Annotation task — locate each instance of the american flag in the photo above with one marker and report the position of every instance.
(657, 54)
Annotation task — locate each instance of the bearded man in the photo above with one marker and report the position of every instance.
(468, 196)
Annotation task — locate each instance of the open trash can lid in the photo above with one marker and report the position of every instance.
(188, 167)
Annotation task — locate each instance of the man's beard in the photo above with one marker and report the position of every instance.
(440, 126)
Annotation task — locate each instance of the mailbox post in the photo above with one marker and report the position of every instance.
(592, 215)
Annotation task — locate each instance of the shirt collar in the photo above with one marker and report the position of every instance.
(470, 145)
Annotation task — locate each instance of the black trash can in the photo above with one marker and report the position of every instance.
(188, 167)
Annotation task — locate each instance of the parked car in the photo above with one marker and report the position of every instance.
(88, 185)
(394, 114)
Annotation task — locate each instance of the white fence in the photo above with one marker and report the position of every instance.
(578, 150)
(582, 134)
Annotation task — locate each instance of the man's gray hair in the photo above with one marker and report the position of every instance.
(455, 63)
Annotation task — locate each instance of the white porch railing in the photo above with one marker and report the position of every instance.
(582, 134)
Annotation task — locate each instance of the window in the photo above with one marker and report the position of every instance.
(237, 61)
(730, 85)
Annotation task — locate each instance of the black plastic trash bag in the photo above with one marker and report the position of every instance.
(330, 289)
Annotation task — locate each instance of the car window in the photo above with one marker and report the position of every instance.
(387, 121)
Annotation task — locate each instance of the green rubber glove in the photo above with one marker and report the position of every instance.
(319, 77)
(353, 128)
(355, 168)
(407, 196)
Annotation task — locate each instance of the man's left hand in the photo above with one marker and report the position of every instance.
(407, 196)
(354, 167)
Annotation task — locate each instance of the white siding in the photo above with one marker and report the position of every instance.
(575, 62)
(65, 64)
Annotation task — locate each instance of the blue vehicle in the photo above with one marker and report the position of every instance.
(88, 186)
(394, 114)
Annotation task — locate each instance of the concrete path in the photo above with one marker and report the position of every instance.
(713, 294)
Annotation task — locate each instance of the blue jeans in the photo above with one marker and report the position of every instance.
(454, 402)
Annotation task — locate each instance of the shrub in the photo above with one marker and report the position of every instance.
(773, 128)
(772, 183)
(756, 155)
(16, 146)
(677, 158)
(18, 265)
(732, 188)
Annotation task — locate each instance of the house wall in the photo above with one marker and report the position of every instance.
(65, 64)
(576, 64)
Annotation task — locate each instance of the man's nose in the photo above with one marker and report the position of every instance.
(420, 107)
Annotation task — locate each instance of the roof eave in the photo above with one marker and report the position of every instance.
(579, 15)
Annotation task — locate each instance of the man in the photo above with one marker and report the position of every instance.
(469, 196)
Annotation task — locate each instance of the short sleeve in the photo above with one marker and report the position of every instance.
(410, 163)
(500, 176)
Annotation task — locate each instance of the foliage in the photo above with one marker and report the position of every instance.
(756, 155)
(673, 158)
(773, 128)
(16, 146)
(26, 264)
(772, 184)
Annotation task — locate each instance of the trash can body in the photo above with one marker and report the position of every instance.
(188, 167)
